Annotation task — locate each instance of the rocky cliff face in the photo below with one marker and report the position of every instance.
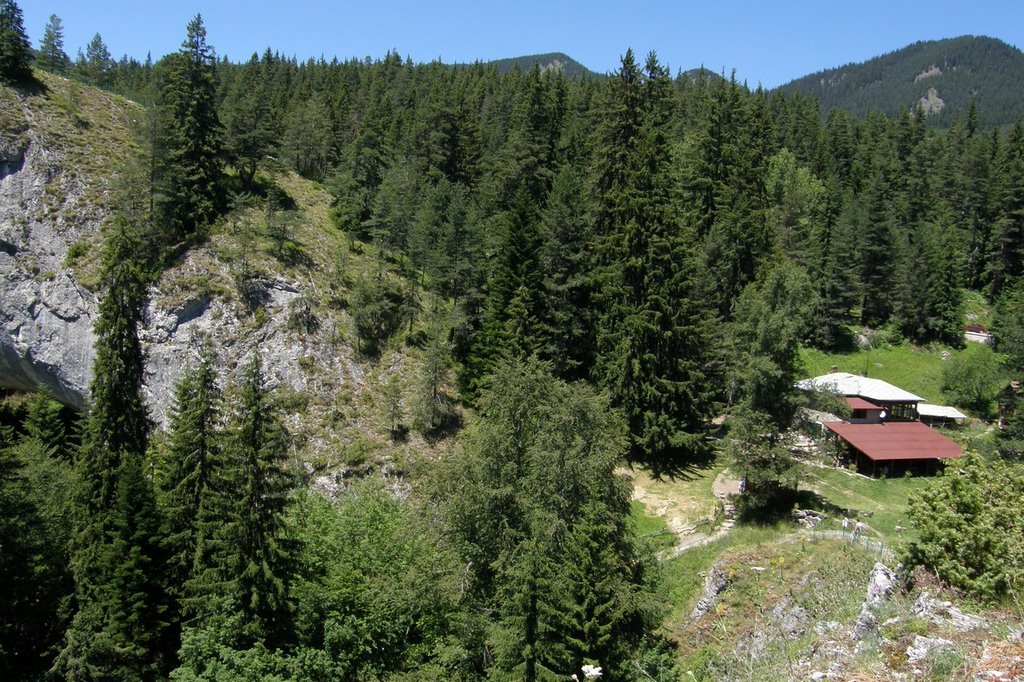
(46, 316)
(304, 361)
(50, 204)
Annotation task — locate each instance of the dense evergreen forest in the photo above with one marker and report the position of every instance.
(607, 264)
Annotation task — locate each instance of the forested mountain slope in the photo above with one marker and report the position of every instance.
(496, 289)
(941, 76)
(549, 61)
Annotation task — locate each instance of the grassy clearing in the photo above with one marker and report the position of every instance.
(977, 310)
(13, 123)
(683, 576)
(880, 503)
(93, 127)
(790, 606)
(917, 369)
(682, 500)
(746, 635)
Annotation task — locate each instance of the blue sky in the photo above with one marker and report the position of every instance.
(765, 42)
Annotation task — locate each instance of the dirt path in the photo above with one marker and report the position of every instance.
(724, 488)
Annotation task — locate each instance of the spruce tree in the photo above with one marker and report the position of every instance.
(51, 54)
(432, 407)
(652, 348)
(190, 464)
(189, 159)
(117, 630)
(95, 65)
(15, 50)
(36, 487)
(245, 557)
(929, 300)
(44, 421)
(29, 582)
(515, 317)
(1007, 259)
(542, 519)
(772, 317)
(250, 127)
(565, 262)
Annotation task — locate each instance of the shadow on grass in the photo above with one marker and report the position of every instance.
(778, 506)
(451, 424)
(678, 466)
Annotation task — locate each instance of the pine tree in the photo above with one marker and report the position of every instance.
(834, 236)
(531, 643)
(514, 320)
(565, 261)
(772, 317)
(432, 407)
(51, 54)
(96, 63)
(250, 127)
(306, 142)
(44, 421)
(880, 253)
(543, 520)
(15, 50)
(28, 598)
(189, 159)
(929, 302)
(36, 515)
(725, 190)
(1007, 260)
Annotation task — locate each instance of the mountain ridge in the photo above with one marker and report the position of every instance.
(942, 76)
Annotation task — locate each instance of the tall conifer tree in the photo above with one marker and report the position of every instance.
(241, 585)
(15, 50)
(652, 338)
(117, 630)
(191, 469)
(51, 54)
(515, 317)
(190, 158)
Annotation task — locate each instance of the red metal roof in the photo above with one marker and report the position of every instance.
(856, 403)
(896, 440)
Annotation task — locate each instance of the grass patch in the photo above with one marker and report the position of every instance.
(651, 530)
(977, 310)
(884, 499)
(683, 575)
(682, 500)
(762, 620)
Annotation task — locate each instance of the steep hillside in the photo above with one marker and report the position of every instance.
(60, 144)
(283, 291)
(941, 76)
